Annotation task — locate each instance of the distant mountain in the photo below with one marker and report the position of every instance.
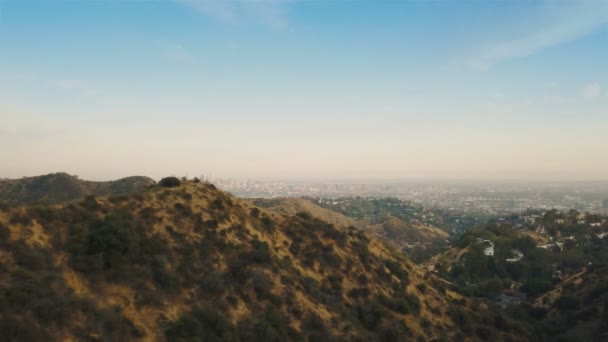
(61, 187)
(192, 263)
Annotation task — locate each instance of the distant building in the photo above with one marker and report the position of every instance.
(559, 245)
(605, 204)
(517, 256)
(489, 248)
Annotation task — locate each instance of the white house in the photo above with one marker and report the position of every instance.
(489, 248)
(517, 256)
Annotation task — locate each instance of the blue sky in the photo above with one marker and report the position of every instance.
(304, 89)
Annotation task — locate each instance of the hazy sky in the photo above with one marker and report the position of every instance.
(312, 88)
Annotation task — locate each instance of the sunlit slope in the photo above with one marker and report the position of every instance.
(192, 263)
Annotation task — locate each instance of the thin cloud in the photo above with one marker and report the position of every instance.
(559, 24)
(178, 53)
(592, 91)
(269, 12)
(66, 84)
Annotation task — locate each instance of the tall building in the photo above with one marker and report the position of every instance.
(605, 204)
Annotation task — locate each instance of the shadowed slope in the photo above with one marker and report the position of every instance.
(60, 187)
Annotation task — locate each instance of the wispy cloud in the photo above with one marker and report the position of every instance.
(178, 53)
(16, 121)
(66, 84)
(557, 23)
(268, 12)
(592, 90)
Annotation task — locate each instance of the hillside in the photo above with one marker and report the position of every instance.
(577, 309)
(551, 277)
(61, 187)
(293, 206)
(416, 240)
(192, 263)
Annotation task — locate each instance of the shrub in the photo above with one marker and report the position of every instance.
(261, 251)
(567, 303)
(261, 283)
(363, 251)
(170, 182)
(421, 287)
(5, 233)
(4, 206)
(304, 215)
(426, 324)
(370, 315)
(254, 212)
(203, 324)
(267, 221)
(20, 219)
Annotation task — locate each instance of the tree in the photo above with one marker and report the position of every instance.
(170, 182)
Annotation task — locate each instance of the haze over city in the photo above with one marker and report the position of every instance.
(305, 89)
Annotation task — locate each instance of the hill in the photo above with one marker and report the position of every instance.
(413, 238)
(191, 263)
(577, 308)
(552, 276)
(61, 187)
(293, 206)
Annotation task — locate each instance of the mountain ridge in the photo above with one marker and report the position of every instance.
(62, 187)
(194, 263)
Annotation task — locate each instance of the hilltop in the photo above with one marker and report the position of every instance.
(61, 187)
(192, 263)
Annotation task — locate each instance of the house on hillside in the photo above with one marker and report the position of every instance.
(510, 297)
(559, 245)
(517, 256)
(531, 219)
(489, 248)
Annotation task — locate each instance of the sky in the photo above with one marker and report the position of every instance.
(305, 89)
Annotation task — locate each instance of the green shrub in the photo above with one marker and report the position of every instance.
(204, 324)
(170, 182)
(567, 302)
(261, 251)
(370, 315)
(5, 233)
